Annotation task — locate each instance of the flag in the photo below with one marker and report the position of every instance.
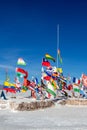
(48, 73)
(21, 62)
(76, 80)
(59, 70)
(59, 56)
(70, 87)
(76, 88)
(84, 80)
(31, 88)
(50, 89)
(53, 84)
(9, 89)
(20, 72)
(55, 74)
(6, 83)
(36, 81)
(45, 76)
(54, 69)
(45, 63)
(32, 84)
(47, 56)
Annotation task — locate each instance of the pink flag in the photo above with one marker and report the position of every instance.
(84, 80)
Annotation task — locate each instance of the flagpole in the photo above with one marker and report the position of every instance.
(6, 72)
(57, 43)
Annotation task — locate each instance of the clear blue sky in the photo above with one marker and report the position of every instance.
(28, 29)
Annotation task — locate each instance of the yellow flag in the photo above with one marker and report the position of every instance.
(60, 70)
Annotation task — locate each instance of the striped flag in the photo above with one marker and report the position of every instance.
(45, 63)
(47, 56)
(53, 83)
(21, 62)
(76, 80)
(76, 88)
(50, 89)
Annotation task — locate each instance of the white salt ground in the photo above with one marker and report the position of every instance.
(54, 118)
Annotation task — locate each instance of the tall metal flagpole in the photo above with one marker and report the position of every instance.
(6, 72)
(57, 44)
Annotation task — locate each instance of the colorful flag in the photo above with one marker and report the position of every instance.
(76, 80)
(48, 73)
(36, 81)
(9, 89)
(47, 78)
(60, 59)
(76, 88)
(84, 80)
(21, 62)
(53, 84)
(6, 83)
(45, 63)
(47, 56)
(50, 89)
(59, 70)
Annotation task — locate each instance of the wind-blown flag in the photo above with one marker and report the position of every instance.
(76, 80)
(9, 89)
(21, 62)
(60, 59)
(53, 84)
(76, 88)
(45, 63)
(47, 56)
(48, 73)
(84, 80)
(45, 76)
(50, 89)
(35, 80)
(60, 70)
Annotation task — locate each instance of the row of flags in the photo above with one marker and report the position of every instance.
(52, 78)
(81, 81)
(46, 63)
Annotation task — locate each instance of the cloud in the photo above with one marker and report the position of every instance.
(7, 67)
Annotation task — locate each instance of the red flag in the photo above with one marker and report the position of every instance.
(47, 78)
(45, 63)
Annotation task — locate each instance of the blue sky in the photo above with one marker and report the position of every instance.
(28, 29)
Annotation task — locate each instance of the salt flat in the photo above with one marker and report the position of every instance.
(55, 118)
